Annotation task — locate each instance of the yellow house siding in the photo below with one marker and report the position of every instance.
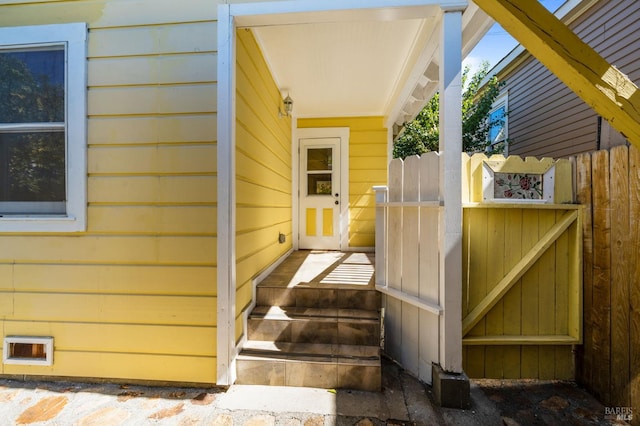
(134, 297)
(367, 167)
(263, 170)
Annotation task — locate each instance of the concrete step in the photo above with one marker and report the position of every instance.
(314, 325)
(315, 295)
(318, 365)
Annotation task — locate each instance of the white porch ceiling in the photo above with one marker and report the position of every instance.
(355, 63)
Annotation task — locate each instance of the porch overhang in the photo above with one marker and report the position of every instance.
(372, 61)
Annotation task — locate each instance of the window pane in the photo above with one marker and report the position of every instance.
(32, 86)
(319, 159)
(496, 125)
(32, 166)
(319, 184)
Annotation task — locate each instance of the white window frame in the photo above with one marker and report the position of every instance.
(47, 342)
(74, 38)
(502, 100)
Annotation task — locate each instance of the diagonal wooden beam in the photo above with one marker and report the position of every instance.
(602, 86)
(519, 269)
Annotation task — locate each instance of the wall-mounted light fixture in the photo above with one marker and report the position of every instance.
(288, 107)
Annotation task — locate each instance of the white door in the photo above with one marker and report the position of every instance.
(319, 214)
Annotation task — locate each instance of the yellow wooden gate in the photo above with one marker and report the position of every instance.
(522, 300)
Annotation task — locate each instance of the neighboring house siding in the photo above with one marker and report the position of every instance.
(545, 117)
(367, 167)
(263, 174)
(133, 297)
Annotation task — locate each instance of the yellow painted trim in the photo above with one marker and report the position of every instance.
(522, 206)
(327, 222)
(495, 295)
(515, 164)
(520, 340)
(603, 87)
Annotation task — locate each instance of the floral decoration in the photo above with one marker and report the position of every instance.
(518, 186)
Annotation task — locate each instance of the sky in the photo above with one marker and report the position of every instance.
(497, 43)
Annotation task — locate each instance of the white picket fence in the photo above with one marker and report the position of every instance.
(407, 261)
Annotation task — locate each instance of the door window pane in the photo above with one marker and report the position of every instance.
(319, 184)
(319, 159)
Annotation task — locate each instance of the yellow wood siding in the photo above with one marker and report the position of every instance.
(263, 170)
(367, 167)
(135, 296)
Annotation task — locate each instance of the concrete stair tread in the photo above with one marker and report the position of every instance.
(288, 350)
(316, 285)
(317, 314)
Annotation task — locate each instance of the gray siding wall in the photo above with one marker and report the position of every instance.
(545, 117)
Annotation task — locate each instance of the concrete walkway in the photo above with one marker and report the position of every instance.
(403, 401)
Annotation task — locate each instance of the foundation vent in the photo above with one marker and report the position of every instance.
(27, 350)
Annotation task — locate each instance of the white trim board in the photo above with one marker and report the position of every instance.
(226, 262)
(254, 289)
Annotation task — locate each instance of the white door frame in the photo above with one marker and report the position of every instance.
(229, 17)
(323, 132)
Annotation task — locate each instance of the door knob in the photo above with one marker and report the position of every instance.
(337, 202)
(337, 195)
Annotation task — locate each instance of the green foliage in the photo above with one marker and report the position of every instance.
(422, 134)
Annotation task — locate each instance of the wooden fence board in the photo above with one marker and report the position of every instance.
(634, 291)
(620, 266)
(410, 263)
(561, 280)
(478, 235)
(529, 363)
(601, 337)
(495, 271)
(561, 361)
(513, 298)
(477, 241)
(564, 369)
(546, 298)
(393, 316)
(583, 190)
(429, 263)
